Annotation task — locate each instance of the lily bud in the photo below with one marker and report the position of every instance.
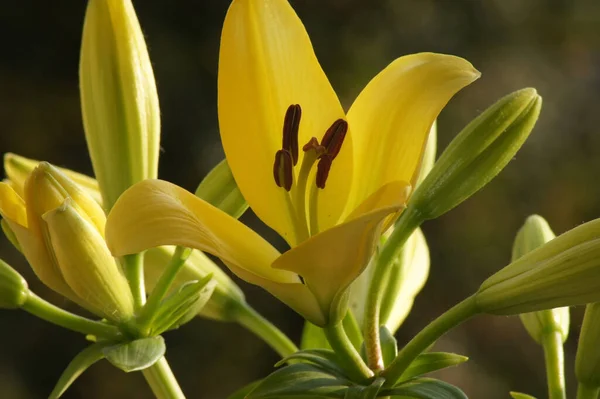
(118, 98)
(562, 272)
(477, 154)
(219, 189)
(60, 230)
(535, 233)
(227, 295)
(18, 168)
(13, 288)
(86, 263)
(587, 361)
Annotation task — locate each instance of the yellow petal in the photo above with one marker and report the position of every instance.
(12, 206)
(296, 295)
(155, 212)
(87, 265)
(331, 260)
(267, 63)
(391, 118)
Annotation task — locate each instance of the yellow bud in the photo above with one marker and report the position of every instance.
(562, 272)
(222, 303)
(477, 154)
(18, 168)
(13, 288)
(587, 361)
(118, 97)
(86, 263)
(535, 233)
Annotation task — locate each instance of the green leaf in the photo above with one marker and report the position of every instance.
(368, 392)
(243, 392)
(78, 365)
(183, 305)
(389, 345)
(300, 381)
(519, 395)
(432, 361)
(324, 358)
(219, 189)
(425, 388)
(136, 355)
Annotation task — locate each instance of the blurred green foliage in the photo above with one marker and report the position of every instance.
(552, 45)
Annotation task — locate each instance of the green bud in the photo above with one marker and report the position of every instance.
(219, 189)
(562, 272)
(477, 154)
(119, 101)
(535, 233)
(226, 296)
(18, 169)
(13, 288)
(587, 361)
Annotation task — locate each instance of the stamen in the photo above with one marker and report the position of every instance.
(334, 138)
(282, 169)
(291, 126)
(323, 168)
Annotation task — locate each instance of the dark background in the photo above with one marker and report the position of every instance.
(552, 45)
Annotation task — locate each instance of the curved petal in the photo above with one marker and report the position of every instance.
(392, 116)
(296, 295)
(155, 212)
(331, 260)
(12, 206)
(267, 63)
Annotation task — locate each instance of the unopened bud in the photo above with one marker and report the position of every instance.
(477, 154)
(13, 288)
(587, 361)
(535, 233)
(119, 101)
(562, 272)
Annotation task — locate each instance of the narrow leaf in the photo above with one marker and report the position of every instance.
(519, 395)
(300, 381)
(136, 355)
(244, 391)
(429, 362)
(389, 345)
(425, 388)
(78, 365)
(324, 358)
(368, 392)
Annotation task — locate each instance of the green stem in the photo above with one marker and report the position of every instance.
(453, 317)
(162, 287)
(134, 271)
(47, 311)
(553, 353)
(271, 335)
(407, 223)
(161, 380)
(587, 392)
(344, 349)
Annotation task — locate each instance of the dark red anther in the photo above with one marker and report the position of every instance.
(291, 126)
(334, 138)
(323, 168)
(282, 169)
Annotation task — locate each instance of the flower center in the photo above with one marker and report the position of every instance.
(296, 186)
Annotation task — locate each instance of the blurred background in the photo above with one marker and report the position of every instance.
(552, 45)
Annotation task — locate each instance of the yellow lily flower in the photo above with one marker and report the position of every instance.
(326, 181)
